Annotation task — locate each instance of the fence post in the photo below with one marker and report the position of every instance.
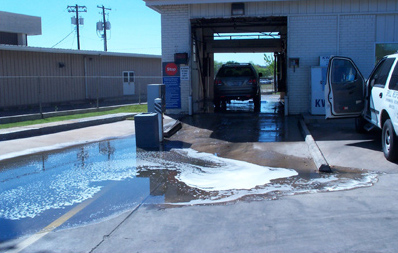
(40, 97)
(139, 93)
(98, 83)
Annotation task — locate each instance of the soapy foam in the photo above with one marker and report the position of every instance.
(231, 174)
(29, 191)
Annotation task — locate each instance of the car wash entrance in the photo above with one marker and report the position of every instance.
(234, 35)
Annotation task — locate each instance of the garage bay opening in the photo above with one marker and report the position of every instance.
(237, 59)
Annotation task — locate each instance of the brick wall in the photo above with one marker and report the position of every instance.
(313, 36)
(176, 39)
(357, 40)
(320, 33)
(309, 37)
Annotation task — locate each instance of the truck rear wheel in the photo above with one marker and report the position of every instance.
(389, 141)
(216, 104)
(257, 103)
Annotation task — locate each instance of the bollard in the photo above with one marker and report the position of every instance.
(158, 110)
(155, 91)
(286, 106)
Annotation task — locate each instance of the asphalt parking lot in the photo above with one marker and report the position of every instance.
(363, 219)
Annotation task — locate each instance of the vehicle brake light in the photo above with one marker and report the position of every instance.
(253, 81)
(217, 82)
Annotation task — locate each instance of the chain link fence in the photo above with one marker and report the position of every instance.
(38, 94)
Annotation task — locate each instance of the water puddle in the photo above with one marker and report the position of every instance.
(46, 185)
(47, 181)
(203, 178)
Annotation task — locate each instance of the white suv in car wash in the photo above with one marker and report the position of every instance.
(374, 102)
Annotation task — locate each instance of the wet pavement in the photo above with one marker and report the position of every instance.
(233, 181)
(266, 138)
(119, 177)
(242, 156)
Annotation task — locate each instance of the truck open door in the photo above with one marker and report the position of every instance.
(344, 90)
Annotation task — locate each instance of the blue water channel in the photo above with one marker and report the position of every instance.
(36, 190)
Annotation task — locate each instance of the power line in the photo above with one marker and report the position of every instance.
(105, 25)
(64, 38)
(76, 9)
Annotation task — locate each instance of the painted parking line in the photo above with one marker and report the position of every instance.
(55, 224)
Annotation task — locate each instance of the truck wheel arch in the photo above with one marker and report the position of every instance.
(384, 116)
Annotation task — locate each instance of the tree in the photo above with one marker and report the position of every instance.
(270, 65)
(259, 69)
(217, 66)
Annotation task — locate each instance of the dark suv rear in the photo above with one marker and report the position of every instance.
(237, 82)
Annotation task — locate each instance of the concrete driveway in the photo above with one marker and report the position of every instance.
(358, 220)
(343, 146)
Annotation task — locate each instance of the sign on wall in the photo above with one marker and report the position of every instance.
(184, 73)
(172, 82)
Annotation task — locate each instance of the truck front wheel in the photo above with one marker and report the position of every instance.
(389, 141)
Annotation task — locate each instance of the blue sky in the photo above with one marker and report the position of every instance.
(135, 28)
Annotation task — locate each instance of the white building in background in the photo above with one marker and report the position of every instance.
(299, 33)
(35, 76)
(15, 28)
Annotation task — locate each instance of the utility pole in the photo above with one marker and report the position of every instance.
(76, 9)
(104, 25)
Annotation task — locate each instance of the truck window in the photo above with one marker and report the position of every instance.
(344, 72)
(393, 85)
(379, 76)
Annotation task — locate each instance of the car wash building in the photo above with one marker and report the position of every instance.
(301, 34)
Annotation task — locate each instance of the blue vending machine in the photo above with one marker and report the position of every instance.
(318, 82)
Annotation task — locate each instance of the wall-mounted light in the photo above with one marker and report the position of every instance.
(294, 63)
(61, 65)
(237, 9)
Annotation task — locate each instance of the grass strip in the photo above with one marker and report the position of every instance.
(124, 109)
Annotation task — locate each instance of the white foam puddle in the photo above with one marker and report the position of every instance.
(229, 175)
(224, 180)
(68, 178)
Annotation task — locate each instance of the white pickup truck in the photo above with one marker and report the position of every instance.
(374, 102)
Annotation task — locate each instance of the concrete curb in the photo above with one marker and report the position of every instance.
(36, 116)
(171, 128)
(49, 128)
(319, 159)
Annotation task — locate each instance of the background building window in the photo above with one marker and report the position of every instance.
(383, 49)
(128, 77)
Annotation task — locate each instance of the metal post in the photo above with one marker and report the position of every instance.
(105, 43)
(104, 25)
(97, 102)
(139, 93)
(190, 109)
(76, 9)
(40, 97)
(99, 81)
(158, 110)
(77, 27)
(286, 98)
